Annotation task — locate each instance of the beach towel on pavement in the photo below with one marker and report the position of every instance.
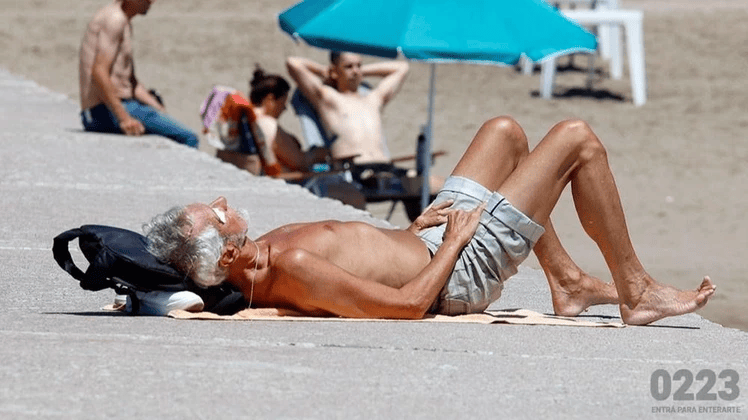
(508, 316)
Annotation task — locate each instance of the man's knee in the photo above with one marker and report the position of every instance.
(507, 129)
(504, 125)
(580, 134)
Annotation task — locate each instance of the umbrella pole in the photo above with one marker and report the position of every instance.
(426, 188)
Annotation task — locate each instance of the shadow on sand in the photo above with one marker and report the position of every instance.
(576, 92)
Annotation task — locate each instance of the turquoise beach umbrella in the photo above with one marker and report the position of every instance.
(436, 31)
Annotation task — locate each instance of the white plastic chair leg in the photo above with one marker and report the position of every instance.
(547, 76)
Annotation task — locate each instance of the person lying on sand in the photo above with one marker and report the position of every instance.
(492, 210)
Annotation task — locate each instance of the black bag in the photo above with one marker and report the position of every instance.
(118, 259)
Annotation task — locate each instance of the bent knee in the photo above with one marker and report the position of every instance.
(507, 129)
(574, 127)
(580, 133)
(503, 124)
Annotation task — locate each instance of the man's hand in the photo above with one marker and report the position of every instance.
(433, 215)
(461, 225)
(131, 126)
(145, 96)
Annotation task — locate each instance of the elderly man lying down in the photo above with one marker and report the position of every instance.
(454, 258)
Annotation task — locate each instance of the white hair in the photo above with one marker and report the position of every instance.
(197, 255)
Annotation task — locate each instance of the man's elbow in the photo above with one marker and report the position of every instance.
(414, 308)
(292, 65)
(404, 67)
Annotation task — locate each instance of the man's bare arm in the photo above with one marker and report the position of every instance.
(143, 96)
(108, 42)
(309, 75)
(393, 74)
(327, 287)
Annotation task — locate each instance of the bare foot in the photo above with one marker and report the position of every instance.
(571, 297)
(659, 301)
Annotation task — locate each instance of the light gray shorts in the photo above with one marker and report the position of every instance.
(504, 238)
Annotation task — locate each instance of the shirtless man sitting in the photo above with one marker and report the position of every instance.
(355, 119)
(451, 260)
(112, 98)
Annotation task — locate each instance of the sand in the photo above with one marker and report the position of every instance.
(680, 160)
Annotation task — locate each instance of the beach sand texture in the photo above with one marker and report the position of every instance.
(680, 160)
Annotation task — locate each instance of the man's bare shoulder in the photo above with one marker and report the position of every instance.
(111, 18)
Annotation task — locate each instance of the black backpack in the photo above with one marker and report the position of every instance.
(118, 259)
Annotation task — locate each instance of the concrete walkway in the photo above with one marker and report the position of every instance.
(62, 357)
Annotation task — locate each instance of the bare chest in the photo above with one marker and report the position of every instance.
(391, 257)
(357, 124)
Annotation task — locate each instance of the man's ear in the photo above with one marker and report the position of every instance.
(332, 73)
(229, 255)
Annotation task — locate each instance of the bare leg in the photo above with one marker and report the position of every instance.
(571, 153)
(572, 290)
(496, 150)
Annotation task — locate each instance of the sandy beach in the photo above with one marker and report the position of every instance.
(680, 160)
